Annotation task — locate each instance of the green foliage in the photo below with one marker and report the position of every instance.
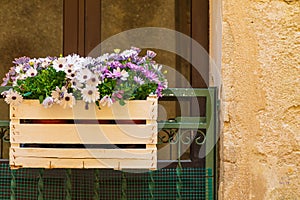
(41, 86)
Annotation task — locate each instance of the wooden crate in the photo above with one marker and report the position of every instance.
(80, 138)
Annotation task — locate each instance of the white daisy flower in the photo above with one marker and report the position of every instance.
(19, 68)
(68, 100)
(117, 73)
(128, 53)
(58, 94)
(69, 69)
(90, 94)
(79, 64)
(88, 61)
(71, 59)
(84, 62)
(33, 61)
(74, 62)
(31, 72)
(70, 72)
(13, 98)
(106, 100)
(102, 58)
(55, 94)
(48, 102)
(124, 75)
(93, 81)
(71, 75)
(76, 84)
(84, 75)
(45, 62)
(60, 64)
(21, 76)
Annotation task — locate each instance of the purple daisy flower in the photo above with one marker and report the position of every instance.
(141, 61)
(138, 80)
(151, 54)
(5, 80)
(117, 95)
(21, 60)
(116, 64)
(151, 76)
(159, 90)
(132, 66)
(138, 50)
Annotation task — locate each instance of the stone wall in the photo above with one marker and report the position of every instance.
(260, 141)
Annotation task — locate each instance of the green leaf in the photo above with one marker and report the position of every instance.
(27, 94)
(122, 102)
(41, 98)
(98, 105)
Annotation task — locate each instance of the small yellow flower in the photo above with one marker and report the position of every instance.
(117, 50)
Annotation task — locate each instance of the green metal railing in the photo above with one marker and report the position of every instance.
(85, 184)
(208, 123)
(178, 182)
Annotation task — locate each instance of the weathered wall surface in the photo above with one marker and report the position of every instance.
(260, 151)
(28, 28)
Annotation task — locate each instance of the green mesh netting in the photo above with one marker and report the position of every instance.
(85, 184)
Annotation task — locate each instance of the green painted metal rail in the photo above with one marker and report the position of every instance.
(209, 123)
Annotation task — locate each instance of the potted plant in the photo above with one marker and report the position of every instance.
(110, 78)
(111, 87)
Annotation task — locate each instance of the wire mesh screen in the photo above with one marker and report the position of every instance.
(85, 184)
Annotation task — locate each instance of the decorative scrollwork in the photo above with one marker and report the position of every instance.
(166, 135)
(4, 134)
(173, 136)
(186, 139)
(5, 138)
(201, 137)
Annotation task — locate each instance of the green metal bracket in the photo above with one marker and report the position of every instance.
(209, 122)
(4, 123)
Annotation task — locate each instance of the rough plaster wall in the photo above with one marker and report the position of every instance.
(260, 151)
(28, 28)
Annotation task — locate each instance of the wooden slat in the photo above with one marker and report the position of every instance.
(83, 163)
(85, 134)
(144, 154)
(137, 109)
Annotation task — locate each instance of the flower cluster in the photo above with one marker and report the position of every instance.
(115, 77)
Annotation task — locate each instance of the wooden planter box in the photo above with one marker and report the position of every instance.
(80, 138)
